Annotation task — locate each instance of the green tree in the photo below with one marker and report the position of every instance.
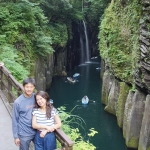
(23, 26)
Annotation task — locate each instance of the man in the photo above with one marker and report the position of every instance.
(22, 116)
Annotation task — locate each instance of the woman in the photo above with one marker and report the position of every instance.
(45, 120)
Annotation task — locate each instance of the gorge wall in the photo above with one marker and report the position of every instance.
(126, 82)
(59, 62)
(64, 58)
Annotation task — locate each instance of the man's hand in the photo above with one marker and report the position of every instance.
(17, 141)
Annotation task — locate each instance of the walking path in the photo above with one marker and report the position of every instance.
(6, 137)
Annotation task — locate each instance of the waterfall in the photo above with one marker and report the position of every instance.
(82, 49)
(86, 43)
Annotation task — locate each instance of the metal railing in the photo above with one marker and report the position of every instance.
(11, 88)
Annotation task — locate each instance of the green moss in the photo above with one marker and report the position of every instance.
(119, 38)
(148, 148)
(133, 142)
(124, 90)
(141, 148)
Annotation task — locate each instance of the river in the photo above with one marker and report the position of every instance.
(64, 93)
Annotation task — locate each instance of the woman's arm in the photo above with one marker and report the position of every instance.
(57, 122)
(35, 125)
(56, 125)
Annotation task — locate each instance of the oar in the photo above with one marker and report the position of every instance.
(92, 101)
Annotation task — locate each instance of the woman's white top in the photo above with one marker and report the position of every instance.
(42, 119)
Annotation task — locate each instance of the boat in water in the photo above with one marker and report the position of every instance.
(94, 57)
(85, 100)
(51, 101)
(76, 75)
(71, 79)
(98, 68)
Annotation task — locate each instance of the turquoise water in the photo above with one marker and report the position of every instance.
(67, 94)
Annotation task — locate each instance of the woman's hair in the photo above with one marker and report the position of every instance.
(49, 106)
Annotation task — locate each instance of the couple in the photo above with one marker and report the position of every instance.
(34, 119)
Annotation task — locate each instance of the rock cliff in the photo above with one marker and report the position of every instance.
(129, 100)
(43, 72)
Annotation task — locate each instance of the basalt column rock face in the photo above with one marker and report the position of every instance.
(133, 114)
(107, 83)
(113, 96)
(127, 113)
(135, 120)
(144, 142)
(142, 73)
(73, 47)
(60, 63)
(124, 90)
(49, 70)
(43, 72)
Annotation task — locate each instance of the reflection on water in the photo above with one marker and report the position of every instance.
(64, 93)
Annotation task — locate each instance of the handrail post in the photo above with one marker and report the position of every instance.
(20, 90)
(0, 79)
(66, 147)
(66, 143)
(3, 79)
(2, 76)
(9, 91)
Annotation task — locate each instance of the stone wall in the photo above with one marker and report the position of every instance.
(144, 141)
(131, 109)
(142, 72)
(130, 103)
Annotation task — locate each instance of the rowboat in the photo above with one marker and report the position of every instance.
(51, 101)
(71, 79)
(98, 68)
(85, 100)
(76, 75)
(94, 57)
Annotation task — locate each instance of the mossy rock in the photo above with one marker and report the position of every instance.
(133, 142)
(113, 97)
(124, 90)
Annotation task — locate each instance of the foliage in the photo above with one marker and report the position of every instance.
(43, 45)
(8, 55)
(59, 34)
(67, 120)
(119, 38)
(36, 27)
(24, 27)
(95, 10)
(61, 14)
(24, 22)
(62, 10)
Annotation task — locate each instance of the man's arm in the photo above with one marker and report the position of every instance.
(15, 117)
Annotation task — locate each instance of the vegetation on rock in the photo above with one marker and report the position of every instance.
(119, 38)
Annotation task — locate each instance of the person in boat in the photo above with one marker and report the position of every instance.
(72, 79)
(85, 100)
(45, 120)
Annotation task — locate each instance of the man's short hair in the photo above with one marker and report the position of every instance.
(28, 80)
